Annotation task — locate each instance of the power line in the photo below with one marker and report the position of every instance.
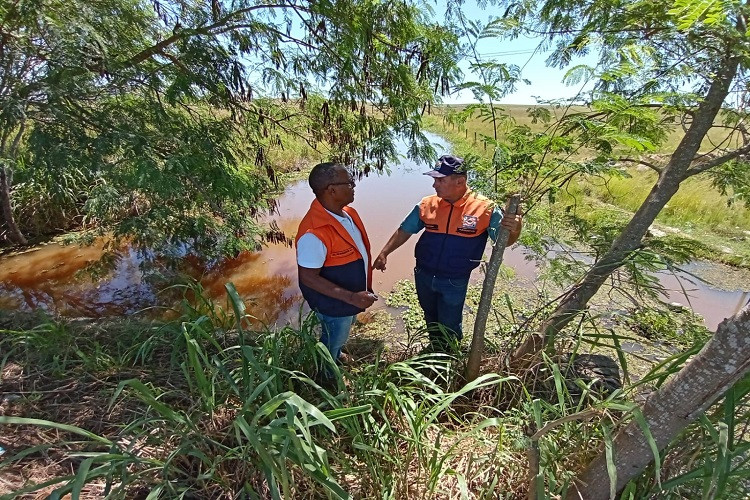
(506, 53)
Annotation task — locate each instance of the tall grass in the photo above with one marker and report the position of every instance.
(216, 410)
(241, 413)
(696, 203)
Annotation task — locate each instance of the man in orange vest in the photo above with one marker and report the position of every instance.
(333, 256)
(456, 223)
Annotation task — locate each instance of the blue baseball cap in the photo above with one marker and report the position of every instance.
(447, 165)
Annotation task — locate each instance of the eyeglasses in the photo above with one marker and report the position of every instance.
(351, 184)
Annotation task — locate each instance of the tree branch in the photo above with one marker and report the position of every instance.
(652, 166)
(708, 165)
(159, 47)
(17, 139)
(202, 30)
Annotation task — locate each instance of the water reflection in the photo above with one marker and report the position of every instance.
(58, 278)
(51, 277)
(712, 303)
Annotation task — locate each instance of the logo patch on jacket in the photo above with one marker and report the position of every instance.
(468, 224)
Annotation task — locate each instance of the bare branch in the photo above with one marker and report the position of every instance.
(708, 165)
(639, 161)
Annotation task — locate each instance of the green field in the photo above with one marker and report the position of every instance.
(697, 210)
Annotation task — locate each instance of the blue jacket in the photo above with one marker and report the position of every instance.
(455, 234)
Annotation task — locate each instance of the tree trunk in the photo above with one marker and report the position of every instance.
(14, 234)
(577, 298)
(488, 287)
(723, 361)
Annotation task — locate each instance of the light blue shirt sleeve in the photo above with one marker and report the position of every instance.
(412, 224)
(495, 220)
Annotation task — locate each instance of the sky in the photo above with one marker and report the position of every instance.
(525, 52)
(545, 82)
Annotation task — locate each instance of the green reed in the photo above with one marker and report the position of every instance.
(223, 411)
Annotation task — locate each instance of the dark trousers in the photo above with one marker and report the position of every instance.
(442, 300)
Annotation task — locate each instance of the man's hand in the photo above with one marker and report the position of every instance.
(396, 240)
(512, 223)
(312, 278)
(380, 262)
(363, 299)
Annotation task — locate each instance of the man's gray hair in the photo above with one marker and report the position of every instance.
(322, 175)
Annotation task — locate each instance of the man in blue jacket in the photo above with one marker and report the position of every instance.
(456, 223)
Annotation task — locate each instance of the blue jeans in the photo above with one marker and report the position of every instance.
(442, 300)
(334, 332)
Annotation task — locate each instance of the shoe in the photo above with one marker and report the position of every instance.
(345, 359)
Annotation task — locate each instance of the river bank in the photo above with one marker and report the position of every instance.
(57, 278)
(157, 403)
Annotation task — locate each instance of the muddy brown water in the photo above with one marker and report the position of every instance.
(50, 277)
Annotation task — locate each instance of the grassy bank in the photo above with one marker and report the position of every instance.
(208, 410)
(203, 407)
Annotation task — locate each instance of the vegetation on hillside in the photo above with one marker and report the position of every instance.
(204, 407)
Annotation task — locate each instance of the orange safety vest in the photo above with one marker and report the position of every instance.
(343, 264)
(455, 234)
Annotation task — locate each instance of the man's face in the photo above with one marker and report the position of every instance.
(450, 187)
(342, 187)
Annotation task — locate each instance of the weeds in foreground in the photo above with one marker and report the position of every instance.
(210, 409)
